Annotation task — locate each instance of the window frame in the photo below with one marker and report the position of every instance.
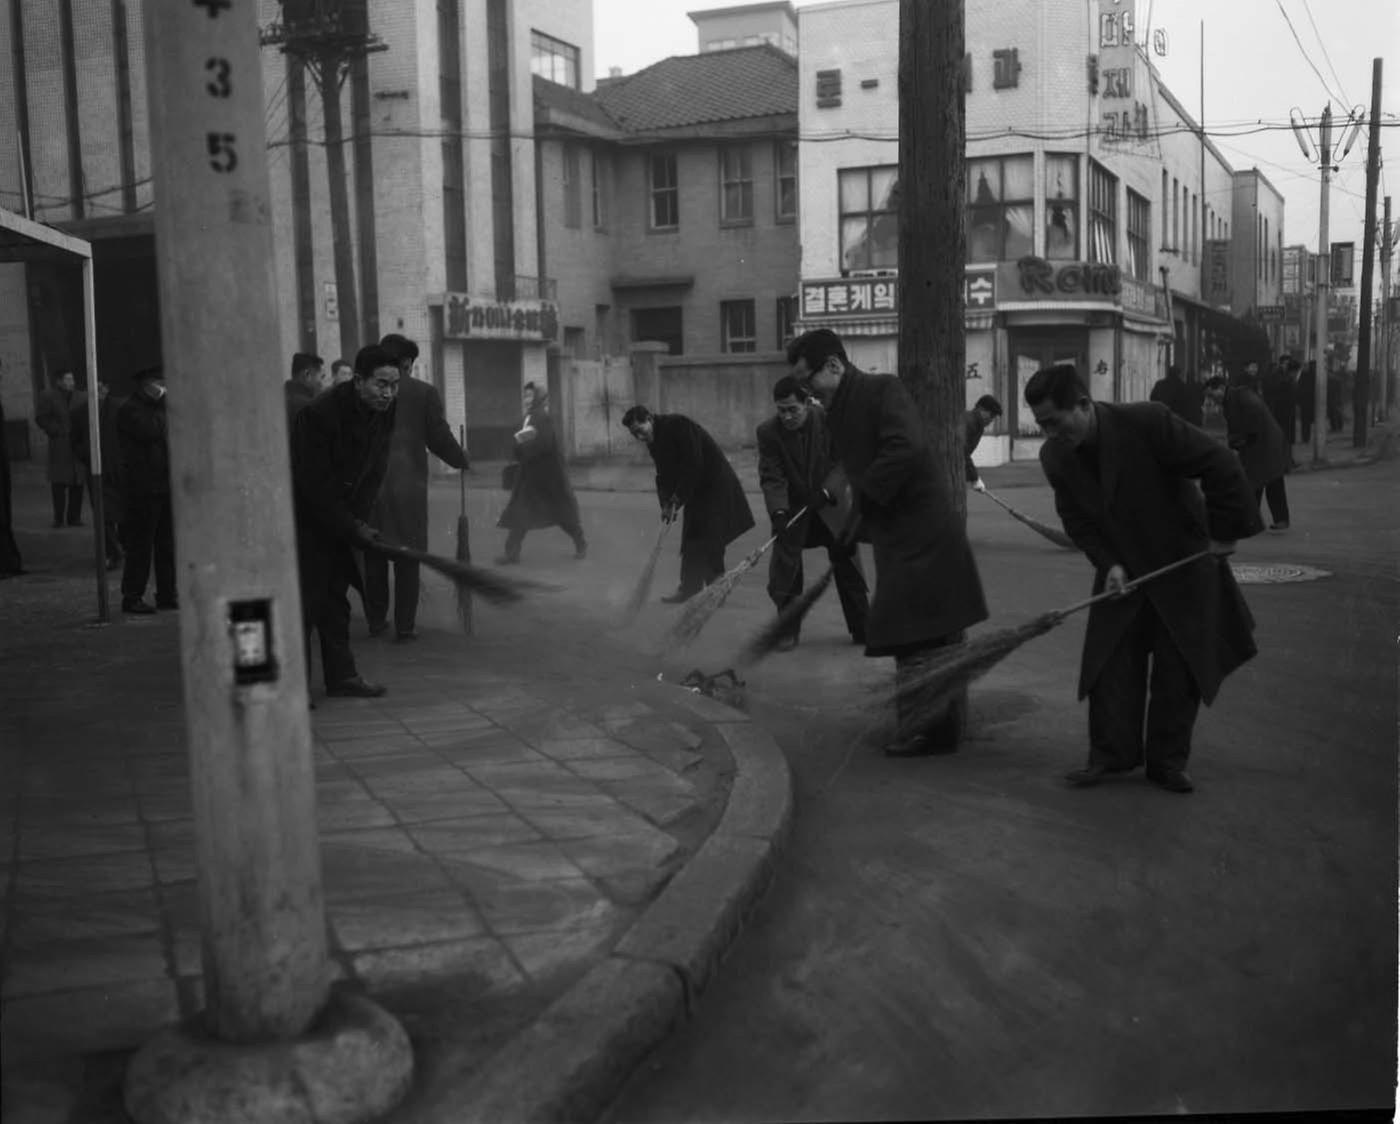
(599, 197)
(743, 181)
(1073, 202)
(780, 147)
(671, 189)
(741, 344)
(869, 214)
(545, 46)
(1138, 227)
(1103, 188)
(1000, 204)
(570, 167)
(786, 318)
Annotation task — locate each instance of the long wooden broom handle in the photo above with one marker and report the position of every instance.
(462, 476)
(1128, 587)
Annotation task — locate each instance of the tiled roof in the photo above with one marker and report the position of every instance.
(566, 100)
(715, 86)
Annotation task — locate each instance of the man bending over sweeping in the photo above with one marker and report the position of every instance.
(693, 475)
(794, 466)
(1124, 489)
(927, 589)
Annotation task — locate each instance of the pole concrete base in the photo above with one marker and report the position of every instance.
(353, 1065)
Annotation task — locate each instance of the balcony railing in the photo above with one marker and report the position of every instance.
(526, 288)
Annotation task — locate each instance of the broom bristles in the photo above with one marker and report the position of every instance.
(696, 613)
(1059, 538)
(790, 618)
(464, 575)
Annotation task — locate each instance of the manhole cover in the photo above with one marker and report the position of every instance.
(1250, 574)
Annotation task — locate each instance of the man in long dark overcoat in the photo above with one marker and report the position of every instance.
(340, 453)
(308, 380)
(54, 416)
(107, 409)
(149, 531)
(1254, 434)
(541, 495)
(1125, 489)
(11, 564)
(794, 466)
(693, 476)
(401, 512)
(1182, 398)
(927, 589)
(975, 423)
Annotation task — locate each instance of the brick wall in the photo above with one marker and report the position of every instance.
(581, 260)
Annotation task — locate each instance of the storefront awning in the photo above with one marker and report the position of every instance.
(854, 326)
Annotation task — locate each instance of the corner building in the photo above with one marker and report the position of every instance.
(1091, 197)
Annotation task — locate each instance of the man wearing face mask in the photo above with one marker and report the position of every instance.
(340, 453)
(927, 589)
(149, 527)
(1125, 489)
(796, 470)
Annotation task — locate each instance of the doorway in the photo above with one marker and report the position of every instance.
(1030, 352)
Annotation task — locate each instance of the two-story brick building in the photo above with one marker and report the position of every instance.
(1089, 196)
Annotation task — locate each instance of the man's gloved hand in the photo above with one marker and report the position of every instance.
(780, 522)
(979, 485)
(364, 534)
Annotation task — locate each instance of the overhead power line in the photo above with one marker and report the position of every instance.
(1326, 57)
(1306, 57)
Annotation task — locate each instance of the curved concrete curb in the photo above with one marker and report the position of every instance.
(575, 1057)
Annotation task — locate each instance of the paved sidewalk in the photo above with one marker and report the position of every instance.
(502, 826)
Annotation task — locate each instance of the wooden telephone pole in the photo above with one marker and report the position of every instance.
(932, 240)
(1361, 389)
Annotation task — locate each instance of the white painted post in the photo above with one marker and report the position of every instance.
(95, 450)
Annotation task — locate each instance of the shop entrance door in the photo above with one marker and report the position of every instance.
(1029, 353)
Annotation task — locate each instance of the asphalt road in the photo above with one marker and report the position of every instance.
(968, 937)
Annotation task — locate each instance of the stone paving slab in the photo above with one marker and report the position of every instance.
(482, 843)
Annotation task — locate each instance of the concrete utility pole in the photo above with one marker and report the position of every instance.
(261, 910)
(1321, 289)
(1387, 242)
(1361, 390)
(932, 241)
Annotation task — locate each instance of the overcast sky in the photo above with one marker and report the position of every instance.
(1254, 71)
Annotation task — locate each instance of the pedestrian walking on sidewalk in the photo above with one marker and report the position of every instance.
(149, 530)
(401, 512)
(1303, 396)
(11, 564)
(308, 380)
(795, 466)
(696, 480)
(340, 454)
(1278, 396)
(55, 417)
(975, 423)
(541, 495)
(927, 588)
(1124, 480)
(1255, 436)
(107, 410)
(1182, 398)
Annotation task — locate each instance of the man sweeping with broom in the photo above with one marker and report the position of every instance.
(927, 589)
(1124, 480)
(794, 465)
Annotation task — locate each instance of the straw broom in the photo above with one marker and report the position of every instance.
(955, 667)
(464, 546)
(642, 590)
(495, 588)
(1059, 538)
(696, 613)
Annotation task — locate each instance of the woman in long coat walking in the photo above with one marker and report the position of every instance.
(55, 417)
(541, 495)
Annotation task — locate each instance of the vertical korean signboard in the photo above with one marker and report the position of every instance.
(1124, 114)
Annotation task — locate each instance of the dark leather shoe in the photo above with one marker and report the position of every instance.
(136, 607)
(355, 688)
(508, 560)
(677, 598)
(1173, 780)
(580, 551)
(785, 644)
(1281, 525)
(378, 628)
(406, 637)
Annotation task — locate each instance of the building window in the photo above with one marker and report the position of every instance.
(665, 193)
(869, 213)
(554, 59)
(787, 320)
(1103, 215)
(598, 171)
(736, 319)
(1166, 214)
(1000, 207)
(736, 185)
(660, 325)
(573, 190)
(1176, 215)
(785, 162)
(1139, 230)
(1061, 208)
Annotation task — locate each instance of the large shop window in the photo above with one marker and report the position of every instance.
(665, 211)
(1103, 215)
(554, 59)
(1000, 208)
(869, 217)
(1062, 208)
(1139, 231)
